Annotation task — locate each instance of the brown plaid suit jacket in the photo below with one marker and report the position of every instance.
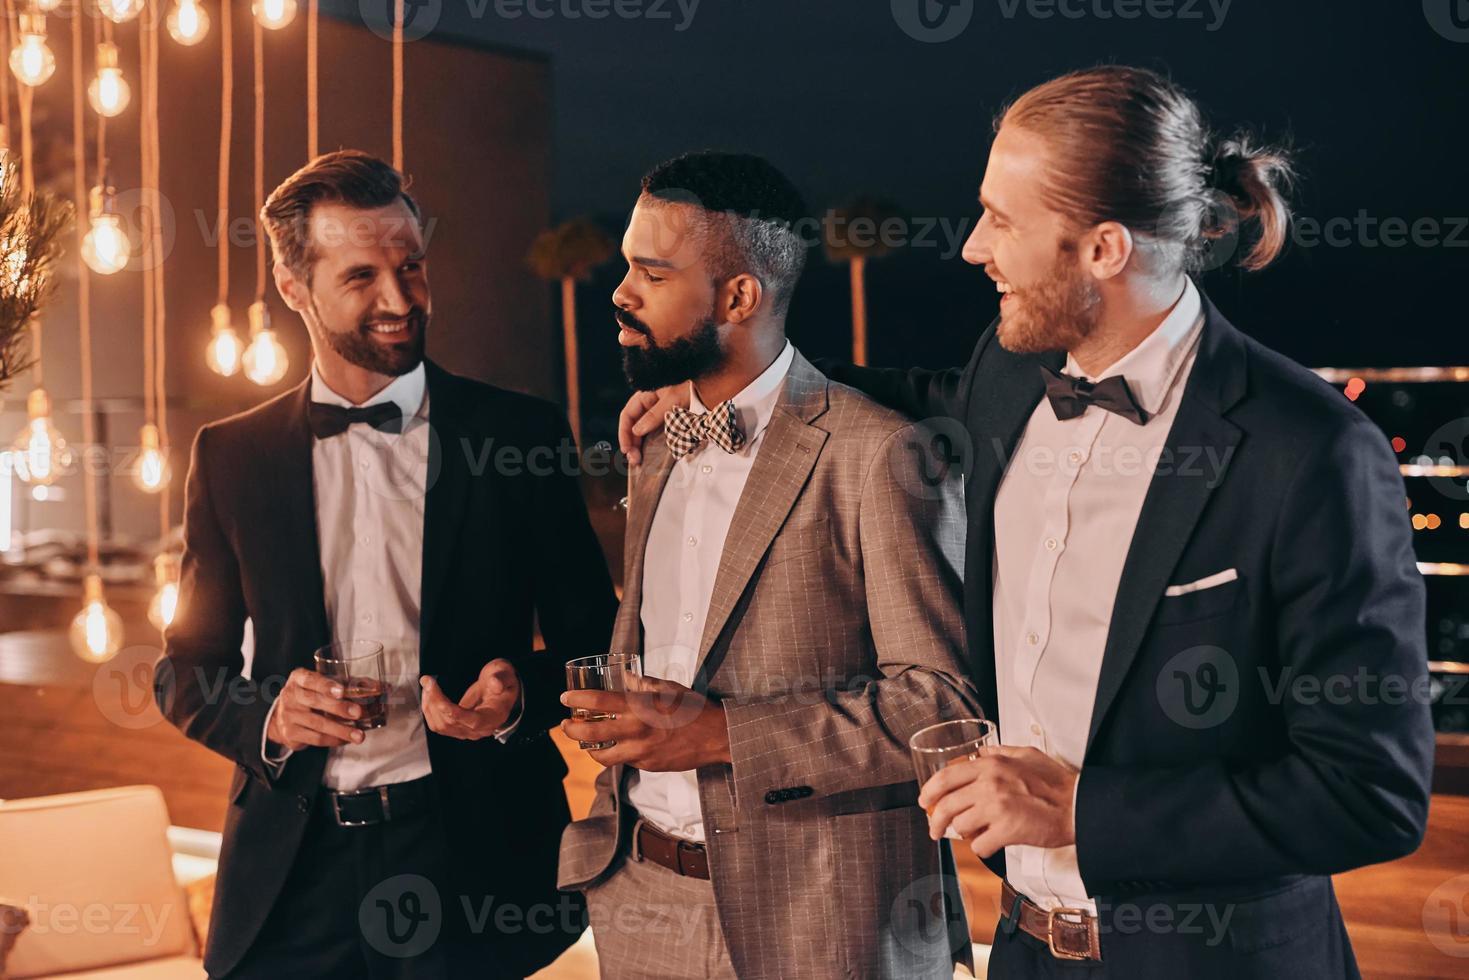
(834, 632)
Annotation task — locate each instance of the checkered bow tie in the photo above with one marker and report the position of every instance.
(686, 430)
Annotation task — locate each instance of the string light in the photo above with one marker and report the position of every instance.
(96, 632)
(225, 347)
(265, 359)
(165, 602)
(40, 453)
(105, 247)
(109, 92)
(31, 59)
(274, 14)
(120, 11)
(152, 471)
(188, 22)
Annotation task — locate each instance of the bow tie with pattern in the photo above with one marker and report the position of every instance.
(686, 430)
(326, 420)
(1069, 397)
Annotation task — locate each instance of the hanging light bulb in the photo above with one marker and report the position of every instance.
(105, 247)
(109, 91)
(31, 60)
(47, 6)
(40, 453)
(274, 14)
(120, 11)
(165, 601)
(188, 22)
(265, 359)
(96, 632)
(225, 347)
(153, 470)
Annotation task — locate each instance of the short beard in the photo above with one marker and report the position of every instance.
(689, 357)
(1058, 314)
(357, 348)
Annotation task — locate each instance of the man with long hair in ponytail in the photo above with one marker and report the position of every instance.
(1190, 590)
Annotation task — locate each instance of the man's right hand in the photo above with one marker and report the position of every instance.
(310, 711)
(643, 414)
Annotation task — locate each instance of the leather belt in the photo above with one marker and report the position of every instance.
(380, 804)
(1071, 934)
(684, 857)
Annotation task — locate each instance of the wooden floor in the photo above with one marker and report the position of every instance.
(71, 727)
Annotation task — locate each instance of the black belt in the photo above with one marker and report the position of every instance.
(380, 804)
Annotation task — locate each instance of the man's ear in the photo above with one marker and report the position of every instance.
(292, 289)
(741, 297)
(1106, 249)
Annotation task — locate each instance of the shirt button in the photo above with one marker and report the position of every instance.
(706, 468)
(1033, 639)
(1035, 729)
(1051, 544)
(364, 539)
(363, 464)
(693, 542)
(1075, 456)
(688, 617)
(367, 617)
(303, 805)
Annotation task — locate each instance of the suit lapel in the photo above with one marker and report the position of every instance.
(1004, 395)
(1200, 443)
(787, 456)
(645, 489)
(294, 504)
(448, 482)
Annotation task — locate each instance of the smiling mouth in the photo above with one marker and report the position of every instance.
(393, 331)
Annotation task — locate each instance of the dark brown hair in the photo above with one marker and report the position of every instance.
(1128, 145)
(350, 177)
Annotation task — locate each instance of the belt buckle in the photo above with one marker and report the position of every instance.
(381, 792)
(1081, 916)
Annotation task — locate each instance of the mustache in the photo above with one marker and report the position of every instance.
(626, 319)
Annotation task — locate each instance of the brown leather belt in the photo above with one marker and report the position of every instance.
(684, 857)
(1071, 934)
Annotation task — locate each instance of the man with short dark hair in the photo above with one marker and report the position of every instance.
(792, 585)
(346, 509)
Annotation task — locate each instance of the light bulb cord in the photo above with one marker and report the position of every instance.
(84, 308)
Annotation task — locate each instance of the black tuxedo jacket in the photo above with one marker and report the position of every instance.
(1246, 740)
(503, 546)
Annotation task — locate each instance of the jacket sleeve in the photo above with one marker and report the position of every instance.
(918, 393)
(198, 682)
(1353, 788)
(855, 736)
(575, 602)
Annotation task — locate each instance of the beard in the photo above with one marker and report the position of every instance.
(693, 355)
(1057, 314)
(357, 347)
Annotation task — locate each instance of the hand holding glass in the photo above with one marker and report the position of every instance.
(603, 672)
(938, 745)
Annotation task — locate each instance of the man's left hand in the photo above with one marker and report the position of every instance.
(1006, 796)
(484, 709)
(660, 727)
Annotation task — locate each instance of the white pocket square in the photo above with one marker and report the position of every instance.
(1207, 582)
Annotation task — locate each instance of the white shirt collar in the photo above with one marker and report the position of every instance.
(1152, 366)
(406, 391)
(755, 403)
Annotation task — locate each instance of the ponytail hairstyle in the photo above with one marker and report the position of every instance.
(1127, 145)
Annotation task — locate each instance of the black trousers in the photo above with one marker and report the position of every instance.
(367, 902)
(1016, 955)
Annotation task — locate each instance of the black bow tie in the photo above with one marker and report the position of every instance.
(332, 420)
(1070, 396)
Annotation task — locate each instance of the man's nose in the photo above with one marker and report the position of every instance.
(977, 246)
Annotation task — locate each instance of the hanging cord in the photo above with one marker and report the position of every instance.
(226, 128)
(398, 85)
(84, 309)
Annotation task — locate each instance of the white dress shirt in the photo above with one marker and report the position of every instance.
(370, 494)
(685, 543)
(1064, 520)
